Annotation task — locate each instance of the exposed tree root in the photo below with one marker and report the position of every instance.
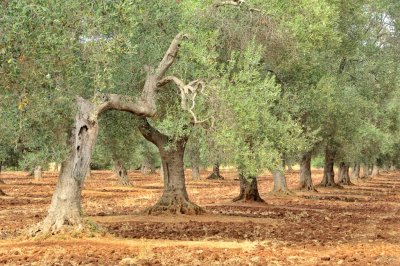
(346, 183)
(330, 185)
(174, 206)
(248, 198)
(282, 192)
(2, 193)
(56, 224)
(310, 188)
(215, 176)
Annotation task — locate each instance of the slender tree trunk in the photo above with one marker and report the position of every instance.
(356, 171)
(195, 172)
(65, 208)
(37, 172)
(328, 179)
(161, 172)
(215, 174)
(174, 198)
(194, 162)
(1, 181)
(375, 170)
(344, 177)
(306, 182)
(121, 173)
(280, 185)
(248, 189)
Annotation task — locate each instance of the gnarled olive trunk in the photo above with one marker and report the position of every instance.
(306, 182)
(344, 177)
(365, 171)
(121, 173)
(356, 171)
(148, 165)
(375, 170)
(328, 179)
(65, 208)
(248, 189)
(215, 174)
(280, 185)
(174, 198)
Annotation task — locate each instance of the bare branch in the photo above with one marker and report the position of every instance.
(170, 55)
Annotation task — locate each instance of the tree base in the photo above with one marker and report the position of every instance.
(174, 206)
(57, 224)
(330, 185)
(346, 183)
(248, 198)
(282, 192)
(214, 176)
(309, 188)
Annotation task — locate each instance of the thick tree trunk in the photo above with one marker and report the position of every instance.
(344, 177)
(148, 165)
(306, 182)
(365, 171)
(328, 179)
(37, 172)
(174, 198)
(375, 170)
(65, 208)
(356, 171)
(280, 185)
(215, 174)
(248, 190)
(121, 173)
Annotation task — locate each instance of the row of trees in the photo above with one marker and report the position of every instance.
(254, 84)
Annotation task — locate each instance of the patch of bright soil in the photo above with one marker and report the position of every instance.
(358, 225)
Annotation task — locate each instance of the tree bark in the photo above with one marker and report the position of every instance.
(121, 173)
(375, 170)
(194, 162)
(147, 165)
(215, 174)
(248, 189)
(37, 172)
(344, 177)
(365, 171)
(356, 171)
(328, 179)
(65, 208)
(306, 182)
(174, 198)
(280, 185)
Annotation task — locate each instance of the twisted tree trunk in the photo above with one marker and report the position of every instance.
(356, 171)
(344, 177)
(215, 173)
(248, 189)
(121, 173)
(306, 182)
(174, 198)
(65, 205)
(328, 179)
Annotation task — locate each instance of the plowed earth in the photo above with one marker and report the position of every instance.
(357, 225)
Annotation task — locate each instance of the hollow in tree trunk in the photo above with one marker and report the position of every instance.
(280, 185)
(121, 173)
(65, 208)
(344, 177)
(215, 174)
(37, 172)
(375, 170)
(174, 198)
(306, 182)
(356, 171)
(248, 189)
(328, 179)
